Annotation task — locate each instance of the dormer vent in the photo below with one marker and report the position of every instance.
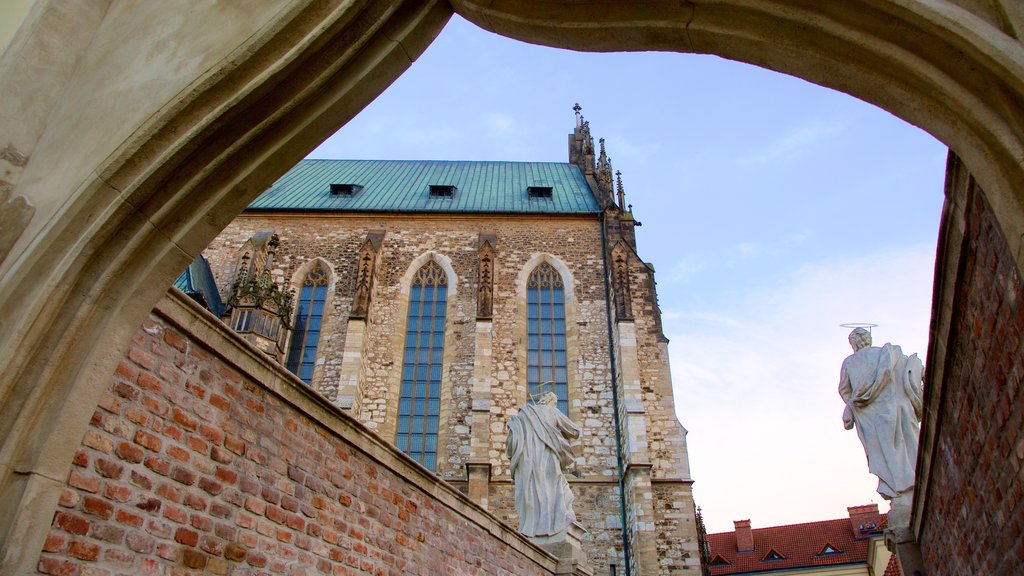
(442, 191)
(345, 189)
(539, 191)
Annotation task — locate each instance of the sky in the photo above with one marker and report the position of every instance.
(772, 209)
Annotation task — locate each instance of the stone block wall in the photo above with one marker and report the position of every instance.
(204, 457)
(474, 428)
(970, 497)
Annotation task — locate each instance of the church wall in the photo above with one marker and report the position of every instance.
(204, 456)
(572, 241)
(572, 244)
(972, 450)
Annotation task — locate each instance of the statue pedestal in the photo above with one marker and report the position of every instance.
(568, 548)
(899, 537)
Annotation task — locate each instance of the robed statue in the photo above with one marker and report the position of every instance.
(539, 450)
(882, 391)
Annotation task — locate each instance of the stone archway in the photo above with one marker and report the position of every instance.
(131, 148)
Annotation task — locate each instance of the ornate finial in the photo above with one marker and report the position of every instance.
(621, 190)
(577, 109)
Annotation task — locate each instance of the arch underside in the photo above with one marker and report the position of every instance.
(86, 269)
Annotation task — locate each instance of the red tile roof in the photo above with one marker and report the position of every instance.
(893, 568)
(799, 544)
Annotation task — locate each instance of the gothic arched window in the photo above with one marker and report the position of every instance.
(419, 404)
(306, 330)
(545, 351)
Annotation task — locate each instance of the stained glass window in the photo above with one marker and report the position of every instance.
(306, 330)
(545, 350)
(419, 404)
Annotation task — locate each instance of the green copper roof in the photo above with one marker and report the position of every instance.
(404, 186)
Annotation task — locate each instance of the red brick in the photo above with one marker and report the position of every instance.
(148, 441)
(220, 402)
(235, 444)
(84, 550)
(155, 406)
(108, 468)
(68, 498)
(183, 475)
(81, 458)
(141, 480)
(210, 486)
(221, 455)
(149, 505)
(141, 542)
(176, 340)
(178, 453)
(97, 507)
(117, 493)
(183, 419)
(221, 510)
(186, 536)
(198, 445)
(107, 533)
(126, 391)
(71, 523)
(158, 465)
(167, 492)
(128, 518)
(54, 542)
(167, 551)
(57, 567)
(195, 502)
(129, 452)
(173, 432)
(126, 371)
(175, 513)
(235, 552)
(98, 441)
(141, 358)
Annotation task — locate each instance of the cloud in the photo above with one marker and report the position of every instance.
(794, 144)
(755, 383)
(748, 249)
(684, 270)
(499, 125)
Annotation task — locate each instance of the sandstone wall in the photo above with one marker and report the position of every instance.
(572, 245)
(205, 457)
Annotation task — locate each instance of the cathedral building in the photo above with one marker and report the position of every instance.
(432, 299)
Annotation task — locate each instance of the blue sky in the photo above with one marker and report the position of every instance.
(773, 210)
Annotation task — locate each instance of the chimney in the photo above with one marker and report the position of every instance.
(744, 536)
(864, 520)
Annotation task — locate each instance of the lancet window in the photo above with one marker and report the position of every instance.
(545, 353)
(419, 404)
(308, 318)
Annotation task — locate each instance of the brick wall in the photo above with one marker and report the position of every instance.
(971, 500)
(196, 464)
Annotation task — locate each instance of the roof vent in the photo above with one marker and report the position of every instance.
(442, 190)
(539, 191)
(345, 189)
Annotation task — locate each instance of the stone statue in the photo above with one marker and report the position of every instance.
(882, 391)
(538, 447)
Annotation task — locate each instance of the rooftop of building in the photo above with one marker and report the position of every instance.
(431, 186)
(824, 543)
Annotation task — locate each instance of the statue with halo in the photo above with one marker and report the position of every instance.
(882, 391)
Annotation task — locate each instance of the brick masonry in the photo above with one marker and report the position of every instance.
(194, 464)
(973, 511)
